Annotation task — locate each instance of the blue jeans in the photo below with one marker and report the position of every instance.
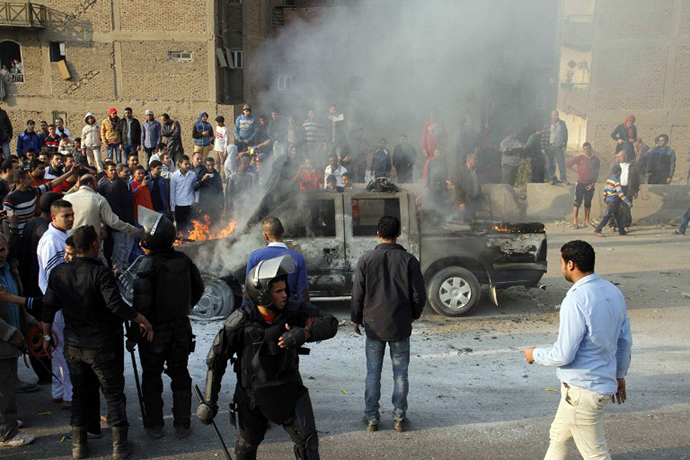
(684, 221)
(613, 209)
(129, 150)
(400, 356)
(555, 154)
(118, 153)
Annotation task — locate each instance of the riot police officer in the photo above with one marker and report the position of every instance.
(167, 286)
(266, 338)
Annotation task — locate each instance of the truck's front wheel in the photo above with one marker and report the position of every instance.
(454, 291)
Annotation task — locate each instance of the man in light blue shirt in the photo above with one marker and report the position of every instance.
(272, 231)
(592, 354)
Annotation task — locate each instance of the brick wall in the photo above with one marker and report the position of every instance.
(151, 76)
(176, 16)
(78, 18)
(680, 141)
(621, 18)
(681, 90)
(91, 68)
(631, 78)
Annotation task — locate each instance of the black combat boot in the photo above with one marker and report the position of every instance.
(79, 449)
(121, 447)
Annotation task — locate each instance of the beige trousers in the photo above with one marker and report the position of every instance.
(93, 156)
(580, 416)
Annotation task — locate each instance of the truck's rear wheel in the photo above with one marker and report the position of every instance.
(454, 291)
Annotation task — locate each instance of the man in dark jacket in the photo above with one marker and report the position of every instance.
(171, 133)
(381, 162)
(94, 311)
(630, 181)
(468, 190)
(404, 158)
(388, 294)
(119, 197)
(661, 164)
(536, 156)
(160, 188)
(14, 329)
(5, 133)
(130, 134)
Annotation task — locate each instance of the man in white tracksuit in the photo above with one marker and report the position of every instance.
(51, 253)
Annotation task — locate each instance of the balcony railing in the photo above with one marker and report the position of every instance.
(26, 15)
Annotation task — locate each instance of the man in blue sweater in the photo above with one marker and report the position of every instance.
(28, 139)
(272, 231)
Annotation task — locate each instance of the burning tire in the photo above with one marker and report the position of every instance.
(217, 301)
(454, 291)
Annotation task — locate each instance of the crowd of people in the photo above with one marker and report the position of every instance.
(79, 209)
(229, 164)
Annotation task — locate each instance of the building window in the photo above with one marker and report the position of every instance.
(235, 59)
(367, 212)
(316, 218)
(285, 82)
(12, 66)
(291, 3)
(57, 51)
(180, 56)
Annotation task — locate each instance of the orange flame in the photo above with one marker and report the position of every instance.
(201, 230)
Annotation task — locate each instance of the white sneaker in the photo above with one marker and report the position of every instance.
(19, 439)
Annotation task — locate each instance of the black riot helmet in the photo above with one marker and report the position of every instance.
(262, 276)
(160, 232)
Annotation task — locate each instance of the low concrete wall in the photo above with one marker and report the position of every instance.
(654, 202)
(507, 203)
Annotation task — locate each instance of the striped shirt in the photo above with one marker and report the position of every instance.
(313, 132)
(22, 203)
(613, 190)
(51, 253)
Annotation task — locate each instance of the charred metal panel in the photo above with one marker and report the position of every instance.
(514, 247)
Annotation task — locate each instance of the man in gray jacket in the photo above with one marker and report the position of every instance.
(555, 152)
(388, 294)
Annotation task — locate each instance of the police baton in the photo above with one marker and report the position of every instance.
(136, 380)
(213, 423)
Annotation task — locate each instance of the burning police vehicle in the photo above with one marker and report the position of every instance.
(333, 229)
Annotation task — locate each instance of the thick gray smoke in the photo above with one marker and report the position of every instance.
(386, 63)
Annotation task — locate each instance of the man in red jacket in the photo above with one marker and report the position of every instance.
(140, 191)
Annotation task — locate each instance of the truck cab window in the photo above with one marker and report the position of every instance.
(367, 212)
(315, 218)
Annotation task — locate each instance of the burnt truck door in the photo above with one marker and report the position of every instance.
(362, 213)
(314, 227)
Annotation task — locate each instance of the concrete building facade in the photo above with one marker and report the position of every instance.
(622, 57)
(177, 57)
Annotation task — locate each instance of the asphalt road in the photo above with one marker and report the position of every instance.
(472, 395)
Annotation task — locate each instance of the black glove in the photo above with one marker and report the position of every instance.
(294, 338)
(205, 413)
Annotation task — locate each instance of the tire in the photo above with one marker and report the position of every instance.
(217, 301)
(454, 291)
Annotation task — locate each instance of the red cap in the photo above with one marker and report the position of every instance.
(112, 111)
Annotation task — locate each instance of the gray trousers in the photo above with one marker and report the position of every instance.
(8, 402)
